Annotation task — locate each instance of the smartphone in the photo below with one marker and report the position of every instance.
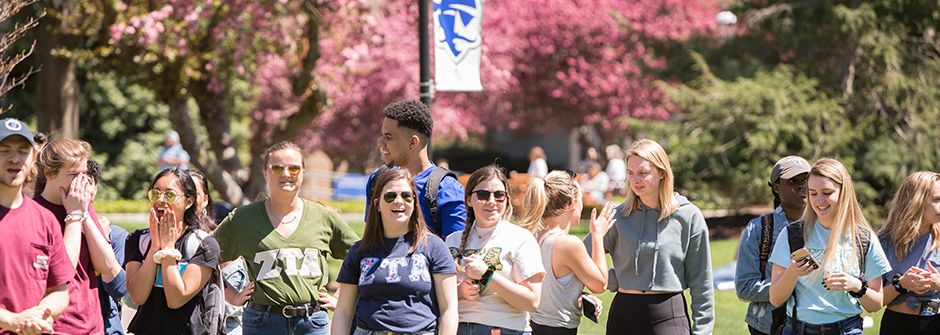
(803, 255)
(588, 308)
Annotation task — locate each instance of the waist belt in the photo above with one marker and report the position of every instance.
(288, 311)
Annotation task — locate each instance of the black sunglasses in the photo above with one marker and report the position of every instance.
(484, 195)
(406, 196)
(573, 174)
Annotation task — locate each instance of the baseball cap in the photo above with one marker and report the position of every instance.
(789, 167)
(11, 126)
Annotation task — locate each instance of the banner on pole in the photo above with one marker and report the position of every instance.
(457, 38)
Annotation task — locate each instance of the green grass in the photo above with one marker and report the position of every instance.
(729, 311)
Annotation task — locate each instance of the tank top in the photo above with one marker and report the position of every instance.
(558, 306)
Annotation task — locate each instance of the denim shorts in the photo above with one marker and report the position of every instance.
(847, 326)
(255, 322)
(467, 328)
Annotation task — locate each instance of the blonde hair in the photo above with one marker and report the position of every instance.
(848, 222)
(547, 197)
(654, 153)
(906, 213)
(57, 155)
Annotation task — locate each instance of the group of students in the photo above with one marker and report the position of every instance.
(814, 264)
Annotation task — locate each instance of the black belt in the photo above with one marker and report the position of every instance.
(288, 311)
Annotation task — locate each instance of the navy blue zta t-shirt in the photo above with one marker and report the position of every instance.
(396, 289)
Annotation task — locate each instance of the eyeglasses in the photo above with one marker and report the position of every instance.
(278, 169)
(155, 195)
(406, 196)
(484, 195)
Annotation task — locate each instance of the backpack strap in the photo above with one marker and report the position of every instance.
(766, 232)
(371, 184)
(864, 242)
(796, 242)
(431, 187)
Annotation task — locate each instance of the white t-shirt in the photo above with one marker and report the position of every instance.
(538, 168)
(514, 253)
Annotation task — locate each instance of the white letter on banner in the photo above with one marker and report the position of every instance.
(457, 38)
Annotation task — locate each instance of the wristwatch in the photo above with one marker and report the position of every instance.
(896, 282)
(861, 292)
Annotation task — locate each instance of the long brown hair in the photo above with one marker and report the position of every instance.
(906, 213)
(480, 175)
(547, 198)
(374, 236)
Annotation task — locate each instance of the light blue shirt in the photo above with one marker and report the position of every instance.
(174, 151)
(816, 304)
(747, 281)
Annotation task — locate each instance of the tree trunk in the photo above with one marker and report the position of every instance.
(57, 88)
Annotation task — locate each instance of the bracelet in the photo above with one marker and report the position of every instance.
(861, 292)
(77, 217)
(172, 253)
(487, 276)
(896, 282)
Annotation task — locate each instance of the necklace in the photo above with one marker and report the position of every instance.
(287, 218)
(480, 232)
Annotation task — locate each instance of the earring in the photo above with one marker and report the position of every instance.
(205, 212)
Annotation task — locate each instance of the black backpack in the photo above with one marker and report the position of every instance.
(796, 242)
(431, 187)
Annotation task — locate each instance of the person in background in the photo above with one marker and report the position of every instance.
(500, 272)
(590, 157)
(538, 167)
(829, 291)
(658, 246)
(29, 188)
(400, 278)
(173, 154)
(596, 184)
(285, 241)
(552, 206)
(405, 143)
(165, 279)
(752, 274)
(238, 288)
(910, 238)
(616, 170)
(111, 292)
(34, 265)
(67, 191)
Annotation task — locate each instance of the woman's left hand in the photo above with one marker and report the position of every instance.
(841, 281)
(934, 276)
(170, 229)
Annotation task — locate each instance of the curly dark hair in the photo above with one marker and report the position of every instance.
(411, 114)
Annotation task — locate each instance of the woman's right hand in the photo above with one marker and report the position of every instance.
(800, 269)
(469, 290)
(474, 266)
(241, 297)
(155, 244)
(915, 280)
(601, 224)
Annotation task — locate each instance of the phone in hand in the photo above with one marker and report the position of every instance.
(588, 308)
(803, 255)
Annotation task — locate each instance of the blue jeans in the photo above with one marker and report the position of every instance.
(360, 331)
(467, 328)
(848, 326)
(255, 322)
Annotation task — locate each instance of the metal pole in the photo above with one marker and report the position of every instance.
(425, 58)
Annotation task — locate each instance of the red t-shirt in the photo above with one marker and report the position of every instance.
(32, 256)
(83, 316)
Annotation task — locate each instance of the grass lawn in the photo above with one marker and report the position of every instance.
(729, 311)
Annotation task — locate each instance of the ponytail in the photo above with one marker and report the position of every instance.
(534, 204)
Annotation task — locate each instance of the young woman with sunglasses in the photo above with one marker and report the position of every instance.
(659, 248)
(552, 206)
(285, 241)
(910, 238)
(164, 281)
(826, 294)
(399, 278)
(500, 272)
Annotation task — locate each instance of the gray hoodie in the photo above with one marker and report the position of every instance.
(670, 255)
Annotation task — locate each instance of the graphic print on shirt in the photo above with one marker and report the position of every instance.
(309, 267)
(490, 256)
(845, 260)
(417, 273)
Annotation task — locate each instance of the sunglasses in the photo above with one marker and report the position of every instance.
(572, 174)
(406, 196)
(278, 169)
(169, 196)
(484, 195)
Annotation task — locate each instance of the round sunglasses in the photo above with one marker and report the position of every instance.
(278, 169)
(169, 195)
(390, 196)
